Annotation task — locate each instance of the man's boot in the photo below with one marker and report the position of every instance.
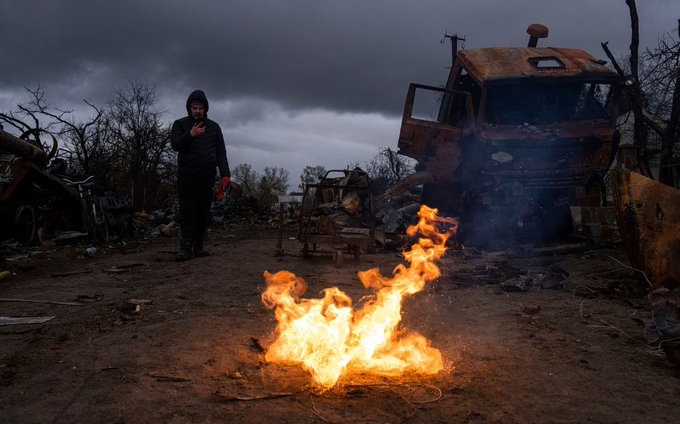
(185, 251)
(199, 251)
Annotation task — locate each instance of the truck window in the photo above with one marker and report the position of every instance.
(452, 109)
(466, 83)
(516, 104)
(442, 106)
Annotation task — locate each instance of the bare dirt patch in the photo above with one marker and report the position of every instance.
(154, 340)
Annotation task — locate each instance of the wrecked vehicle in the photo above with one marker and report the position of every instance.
(41, 200)
(31, 198)
(516, 137)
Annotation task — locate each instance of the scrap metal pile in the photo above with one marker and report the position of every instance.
(40, 200)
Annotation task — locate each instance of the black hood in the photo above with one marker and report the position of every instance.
(200, 96)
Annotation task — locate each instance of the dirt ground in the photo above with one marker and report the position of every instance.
(140, 338)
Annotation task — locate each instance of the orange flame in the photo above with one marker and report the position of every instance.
(329, 339)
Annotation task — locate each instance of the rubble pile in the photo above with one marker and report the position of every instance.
(237, 209)
(233, 209)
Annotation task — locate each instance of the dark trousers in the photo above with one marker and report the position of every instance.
(195, 198)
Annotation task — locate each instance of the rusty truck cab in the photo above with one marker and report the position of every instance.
(517, 134)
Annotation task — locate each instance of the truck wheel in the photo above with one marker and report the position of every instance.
(25, 224)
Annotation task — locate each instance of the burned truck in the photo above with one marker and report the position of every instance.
(516, 137)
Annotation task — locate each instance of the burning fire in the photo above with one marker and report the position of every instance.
(328, 338)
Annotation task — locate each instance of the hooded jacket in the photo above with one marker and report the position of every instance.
(199, 156)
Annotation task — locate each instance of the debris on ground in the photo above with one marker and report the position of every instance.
(24, 320)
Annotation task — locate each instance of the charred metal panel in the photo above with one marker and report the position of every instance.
(495, 64)
(435, 148)
(649, 221)
(558, 153)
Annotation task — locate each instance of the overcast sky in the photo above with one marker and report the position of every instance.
(292, 82)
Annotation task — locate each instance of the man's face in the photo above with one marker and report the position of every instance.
(197, 111)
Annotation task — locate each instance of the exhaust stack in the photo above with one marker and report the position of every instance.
(535, 32)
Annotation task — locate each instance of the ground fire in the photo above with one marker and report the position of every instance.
(329, 338)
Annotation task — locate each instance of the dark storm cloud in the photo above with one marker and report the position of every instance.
(293, 82)
(340, 55)
(302, 53)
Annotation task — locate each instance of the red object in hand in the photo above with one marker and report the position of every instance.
(226, 182)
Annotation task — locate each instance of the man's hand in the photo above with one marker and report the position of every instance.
(197, 129)
(224, 183)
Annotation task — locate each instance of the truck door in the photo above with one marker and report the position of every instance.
(434, 122)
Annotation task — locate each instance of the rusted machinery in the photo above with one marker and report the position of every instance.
(649, 223)
(31, 198)
(516, 137)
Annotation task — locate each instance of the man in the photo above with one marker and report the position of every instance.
(200, 146)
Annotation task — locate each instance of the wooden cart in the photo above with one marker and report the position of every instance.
(337, 213)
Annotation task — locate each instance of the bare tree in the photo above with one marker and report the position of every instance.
(656, 88)
(124, 145)
(387, 168)
(273, 183)
(636, 94)
(265, 188)
(36, 121)
(85, 142)
(141, 145)
(246, 177)
(662, 84)
(33, 111)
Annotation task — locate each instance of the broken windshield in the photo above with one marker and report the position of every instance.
(516, 104)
